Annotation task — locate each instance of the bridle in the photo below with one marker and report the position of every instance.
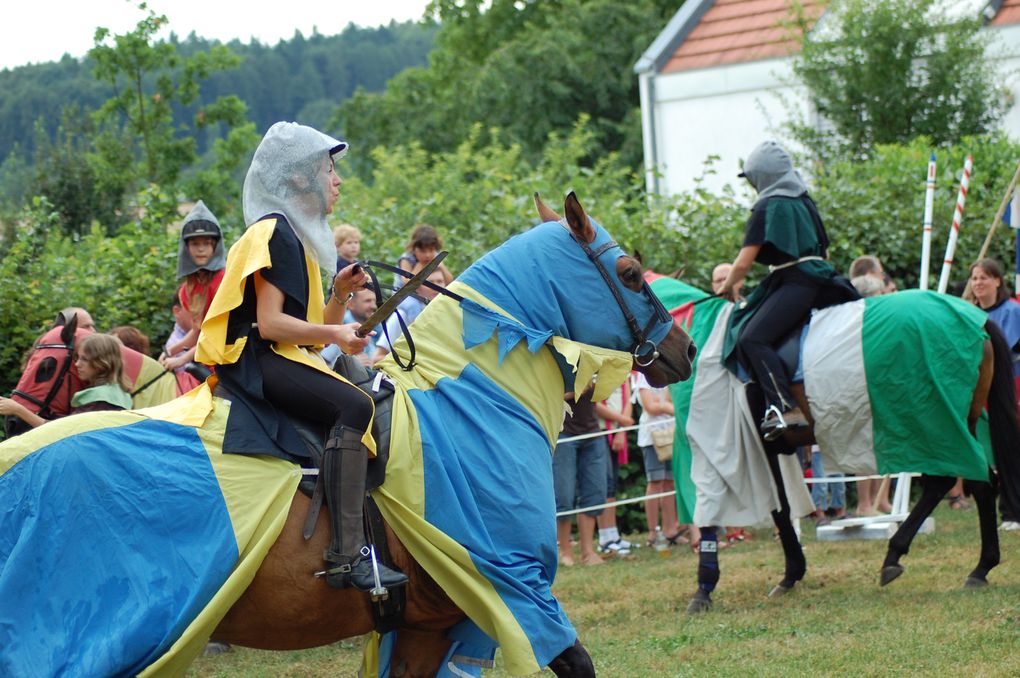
(644, 350)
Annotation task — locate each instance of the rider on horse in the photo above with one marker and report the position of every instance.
(267, 322)
(786, 233)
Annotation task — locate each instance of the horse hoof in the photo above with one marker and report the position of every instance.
(699, 604)
(975, 583)
(780, 589)
(889, 573)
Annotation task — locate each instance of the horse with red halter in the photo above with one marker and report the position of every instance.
(50, 378)
(467, 497)
(894, 383)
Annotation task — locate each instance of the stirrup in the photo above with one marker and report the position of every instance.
(773, 424)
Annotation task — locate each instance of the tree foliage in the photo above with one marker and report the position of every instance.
(887, 71)
(876, 206)
(525, 69)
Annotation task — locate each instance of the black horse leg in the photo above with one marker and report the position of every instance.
(984, 497)
(574, 662)
(796, 564)
(708, 571)
(933, 488)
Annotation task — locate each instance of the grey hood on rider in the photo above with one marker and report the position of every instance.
(769, 169)
(289, 175)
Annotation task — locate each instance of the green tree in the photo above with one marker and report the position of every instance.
(138, 138)
(887, 71)
(524, 68)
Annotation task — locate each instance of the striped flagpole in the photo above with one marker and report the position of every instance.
(929, 202)
(954, 230)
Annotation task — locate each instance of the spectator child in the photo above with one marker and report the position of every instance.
(616, 411)
(132, 337)
(200, 262)
(348, 245)
(422, 248)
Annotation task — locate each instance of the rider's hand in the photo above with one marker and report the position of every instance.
(347, 280)
(726, 292)
(348, 341)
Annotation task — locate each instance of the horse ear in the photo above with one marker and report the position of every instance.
(70, 327)
(577, 219)
(544, 213)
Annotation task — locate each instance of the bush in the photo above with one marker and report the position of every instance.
(876, 206)
(126, 279)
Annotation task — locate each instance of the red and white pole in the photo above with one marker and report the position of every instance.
(929, 202)
(954, 231)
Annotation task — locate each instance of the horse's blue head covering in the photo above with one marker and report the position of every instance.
(544, 279)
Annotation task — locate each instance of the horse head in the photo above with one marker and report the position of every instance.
(568, 276)
(68, 327)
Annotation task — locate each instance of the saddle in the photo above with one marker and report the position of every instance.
(386, 612)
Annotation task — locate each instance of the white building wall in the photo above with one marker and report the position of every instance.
(727, 110)
(1004, 49)
(724, 111)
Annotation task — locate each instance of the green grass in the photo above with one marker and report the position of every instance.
(838, 622)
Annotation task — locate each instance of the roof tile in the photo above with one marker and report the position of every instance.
(734, 31)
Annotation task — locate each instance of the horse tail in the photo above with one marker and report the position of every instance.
(1003, 422)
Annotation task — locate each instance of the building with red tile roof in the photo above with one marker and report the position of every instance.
(718, 80)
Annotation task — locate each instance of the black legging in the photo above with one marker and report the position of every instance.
(305, 392)
(783, 309)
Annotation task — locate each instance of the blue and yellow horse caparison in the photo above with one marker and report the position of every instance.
(171, 541)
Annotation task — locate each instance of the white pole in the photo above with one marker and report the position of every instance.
(954, 230)
(929, 202)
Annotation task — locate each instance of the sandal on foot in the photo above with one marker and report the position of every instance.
(677, 539)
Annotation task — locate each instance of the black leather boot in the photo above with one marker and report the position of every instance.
(344, 463)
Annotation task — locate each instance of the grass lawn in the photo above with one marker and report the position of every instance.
(838, 622)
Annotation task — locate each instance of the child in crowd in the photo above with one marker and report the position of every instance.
(99, 364)
(200, 262)
(132, 337)
(348, 245)
(182, 325)
(422, 248)
(617, 411)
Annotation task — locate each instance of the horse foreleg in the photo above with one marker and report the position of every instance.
(708, 571)
(984, 497)
(933, 488)
(574, 662)
(793, 554)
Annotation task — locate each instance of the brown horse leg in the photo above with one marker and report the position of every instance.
(933, 488)
(418, 653)
(574, 662)
(984, 496)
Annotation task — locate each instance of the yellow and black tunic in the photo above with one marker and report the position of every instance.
(230, 340)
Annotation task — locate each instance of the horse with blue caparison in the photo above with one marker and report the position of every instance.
(467, 497)
(911, 382)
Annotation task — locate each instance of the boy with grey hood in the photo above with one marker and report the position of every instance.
(201, 259)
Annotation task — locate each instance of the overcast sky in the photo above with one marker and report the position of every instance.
(44, 30)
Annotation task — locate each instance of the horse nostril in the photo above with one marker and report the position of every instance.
(692, 351)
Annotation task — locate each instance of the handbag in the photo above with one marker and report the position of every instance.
(662, 441)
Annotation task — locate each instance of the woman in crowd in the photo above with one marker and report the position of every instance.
(988, 290)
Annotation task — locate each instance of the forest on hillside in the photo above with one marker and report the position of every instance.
(303, 78)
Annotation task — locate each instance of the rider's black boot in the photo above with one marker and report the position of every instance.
(344, 462)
